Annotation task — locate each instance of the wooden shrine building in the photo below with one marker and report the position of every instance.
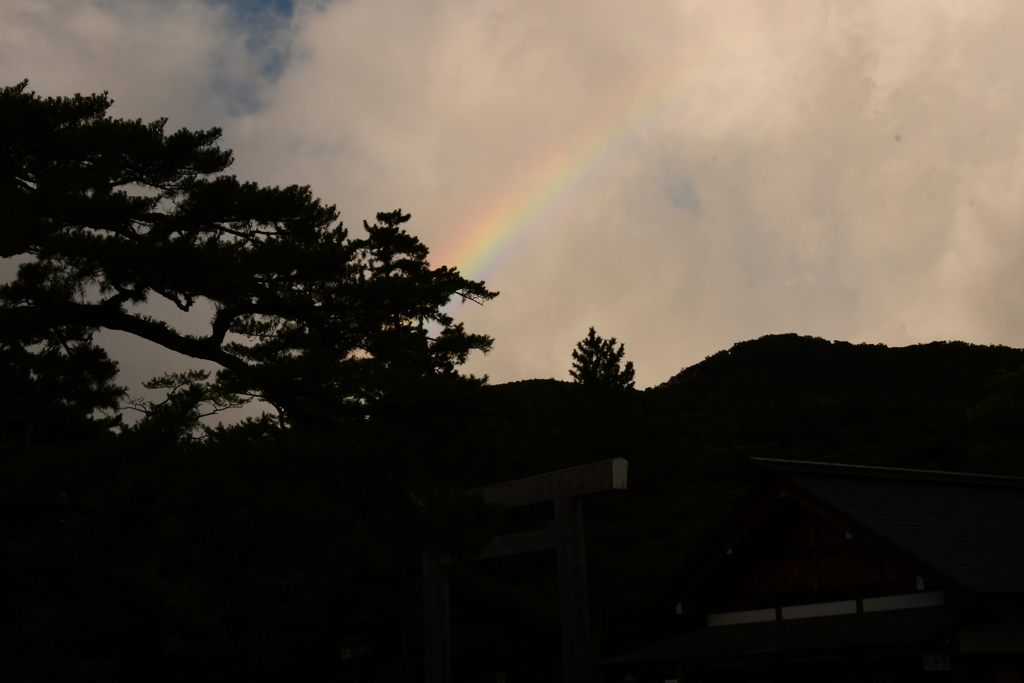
(843, 573)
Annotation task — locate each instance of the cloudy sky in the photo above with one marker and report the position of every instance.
(680, 174)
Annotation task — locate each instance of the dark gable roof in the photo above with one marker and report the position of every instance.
(969, 528)
(963, 532)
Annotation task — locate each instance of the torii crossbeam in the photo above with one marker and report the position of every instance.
(563, 488)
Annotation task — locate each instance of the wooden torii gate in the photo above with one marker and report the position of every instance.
(563, 488)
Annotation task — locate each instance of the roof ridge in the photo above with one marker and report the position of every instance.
(780, 465)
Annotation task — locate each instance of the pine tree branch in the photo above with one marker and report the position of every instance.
(37, 318)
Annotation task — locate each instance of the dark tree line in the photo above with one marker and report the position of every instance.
(169, 548)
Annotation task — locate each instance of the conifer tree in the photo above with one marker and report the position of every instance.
(169, 550)
(105, 216)
(597, 364)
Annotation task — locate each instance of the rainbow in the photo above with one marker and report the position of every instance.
(501, 226)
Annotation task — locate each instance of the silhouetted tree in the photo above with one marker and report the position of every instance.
(106, 215)
(596, 363)
(57, 387)
(167, 550)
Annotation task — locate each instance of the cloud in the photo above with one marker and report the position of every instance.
(198, 63)
(682, 195)
(722, 170)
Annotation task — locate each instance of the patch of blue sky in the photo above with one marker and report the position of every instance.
(266, 27)
(683, 196)
(284, 8)
(264, 20)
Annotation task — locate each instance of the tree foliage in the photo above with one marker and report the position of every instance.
(189, 399)
(108, 215)
(597, 364)
(57, 388)
(167, 549)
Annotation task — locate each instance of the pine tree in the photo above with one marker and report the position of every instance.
(196, 557)
(105, 216)
(597, 364)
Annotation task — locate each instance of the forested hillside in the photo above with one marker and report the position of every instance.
(945, 405)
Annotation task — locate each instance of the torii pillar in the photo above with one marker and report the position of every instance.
(564, 489)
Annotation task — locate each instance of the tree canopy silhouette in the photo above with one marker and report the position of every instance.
(256, 550)
(596, 363)
(105, 215)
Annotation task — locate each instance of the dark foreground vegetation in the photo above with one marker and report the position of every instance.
(279, 555)
(289, 547)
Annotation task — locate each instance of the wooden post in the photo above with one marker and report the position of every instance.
(564, 488)
(572, 585)
(436, 637)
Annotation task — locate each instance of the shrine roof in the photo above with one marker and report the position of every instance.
(968, 527)
(962, 532)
